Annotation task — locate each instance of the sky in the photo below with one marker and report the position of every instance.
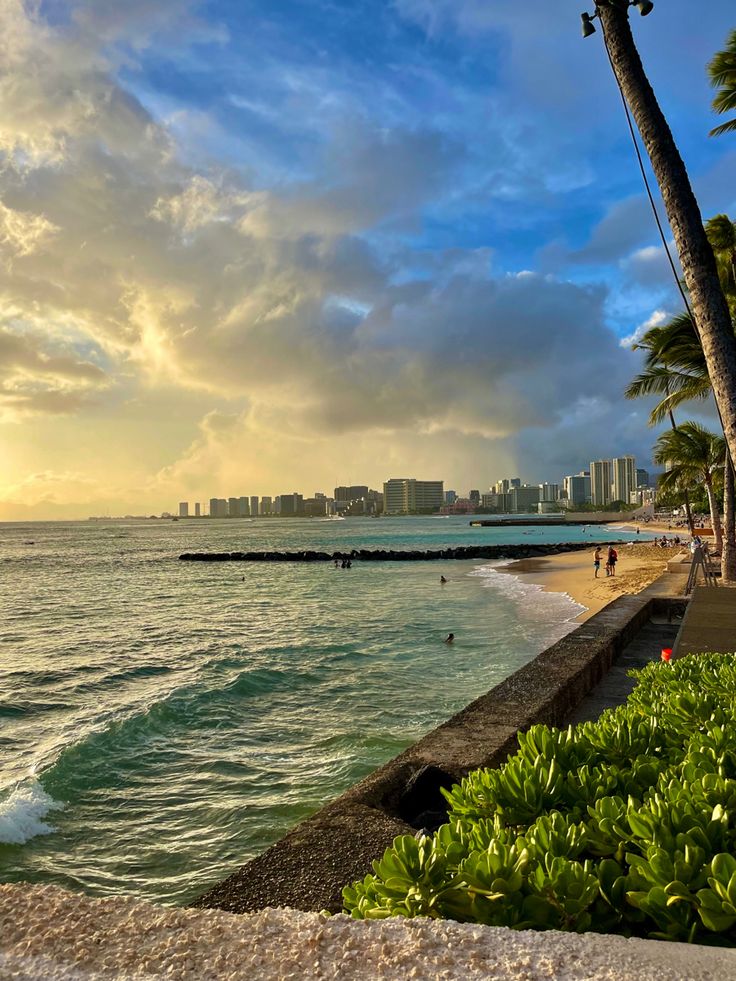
(265, 246)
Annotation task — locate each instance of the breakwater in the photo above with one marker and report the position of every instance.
(393, 555)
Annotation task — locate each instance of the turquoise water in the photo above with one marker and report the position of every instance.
(161, 722)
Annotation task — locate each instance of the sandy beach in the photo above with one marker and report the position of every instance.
(638, 566)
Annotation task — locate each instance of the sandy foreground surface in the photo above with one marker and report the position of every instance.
(572, 573)
(48, 933)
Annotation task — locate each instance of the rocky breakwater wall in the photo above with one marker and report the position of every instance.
(393, 555)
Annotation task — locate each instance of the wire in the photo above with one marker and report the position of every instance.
(644, 174)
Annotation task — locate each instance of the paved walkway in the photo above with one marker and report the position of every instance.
(614, 689)
(709, 623)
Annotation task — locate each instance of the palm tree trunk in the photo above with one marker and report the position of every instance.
(728, 552)
(715, 517)
(710, 309)
(686, 495)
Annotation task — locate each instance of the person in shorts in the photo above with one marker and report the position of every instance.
(596, 562)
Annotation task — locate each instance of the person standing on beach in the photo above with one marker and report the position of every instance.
(597, 561)
(612, 559)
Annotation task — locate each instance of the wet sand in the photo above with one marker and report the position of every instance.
(572, 573)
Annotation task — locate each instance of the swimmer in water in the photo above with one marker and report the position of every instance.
(443, 580)
(449, 638)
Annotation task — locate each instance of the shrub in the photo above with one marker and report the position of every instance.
(625, 825)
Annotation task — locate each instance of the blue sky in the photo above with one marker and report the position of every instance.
(404, 235)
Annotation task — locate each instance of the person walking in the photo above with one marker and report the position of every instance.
(597, 561)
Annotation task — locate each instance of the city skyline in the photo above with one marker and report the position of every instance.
(255, 244)
(621, 485)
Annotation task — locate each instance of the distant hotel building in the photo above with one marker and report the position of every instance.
(600, 482)
(218, 507)
(254, 507)
(184, 509)
(577, 488)
(411, 496)
(549, 492)
(612, 480)
(623, 478)
(197, 510)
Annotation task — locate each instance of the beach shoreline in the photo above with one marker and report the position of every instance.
(572, 574)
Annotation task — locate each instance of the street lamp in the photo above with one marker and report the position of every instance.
(588, 27)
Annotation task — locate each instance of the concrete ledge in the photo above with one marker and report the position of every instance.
(309, 866)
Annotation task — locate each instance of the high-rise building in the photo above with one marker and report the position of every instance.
(474, 497)
(352, 493)
(450, 496)
(524, 499)
(266, 505)
(198, 510)
(411, 496)
(600, 482)
(623, 478)
(254, 506)
(218, 507)
(642, 477)
(549, 492)
(238, 507)
(315, 507)
(291, 504)
(183, 509)
(577, 488)
(514, 482)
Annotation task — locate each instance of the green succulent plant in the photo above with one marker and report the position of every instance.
(626, 824)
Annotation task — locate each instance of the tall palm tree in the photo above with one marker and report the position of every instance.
(711, 313)
(721, 232)
(692, 456)
(722, 72)
(675, 369)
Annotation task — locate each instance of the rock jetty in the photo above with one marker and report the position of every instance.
(393, 555)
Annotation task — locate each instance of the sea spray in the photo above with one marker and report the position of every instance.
(22, 813)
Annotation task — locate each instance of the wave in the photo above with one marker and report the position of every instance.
(550, 606)
(122, 743)
(23, 811)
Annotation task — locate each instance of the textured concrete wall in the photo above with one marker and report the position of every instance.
(308, 867)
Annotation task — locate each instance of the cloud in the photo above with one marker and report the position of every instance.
(658, 318)
(320, 315)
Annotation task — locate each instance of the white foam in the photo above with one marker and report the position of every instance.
(22, 813)
(551, 606)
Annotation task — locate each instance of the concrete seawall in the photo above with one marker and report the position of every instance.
(309, 866)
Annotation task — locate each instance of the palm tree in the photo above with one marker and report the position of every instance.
(674, 368)
(711, 314)
(722, 72)
(692, 455)
(721, 232)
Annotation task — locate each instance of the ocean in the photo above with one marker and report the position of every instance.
(161, 722)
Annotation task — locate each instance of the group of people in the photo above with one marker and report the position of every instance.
(665, 542)
(346, 564)
(611, 560)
